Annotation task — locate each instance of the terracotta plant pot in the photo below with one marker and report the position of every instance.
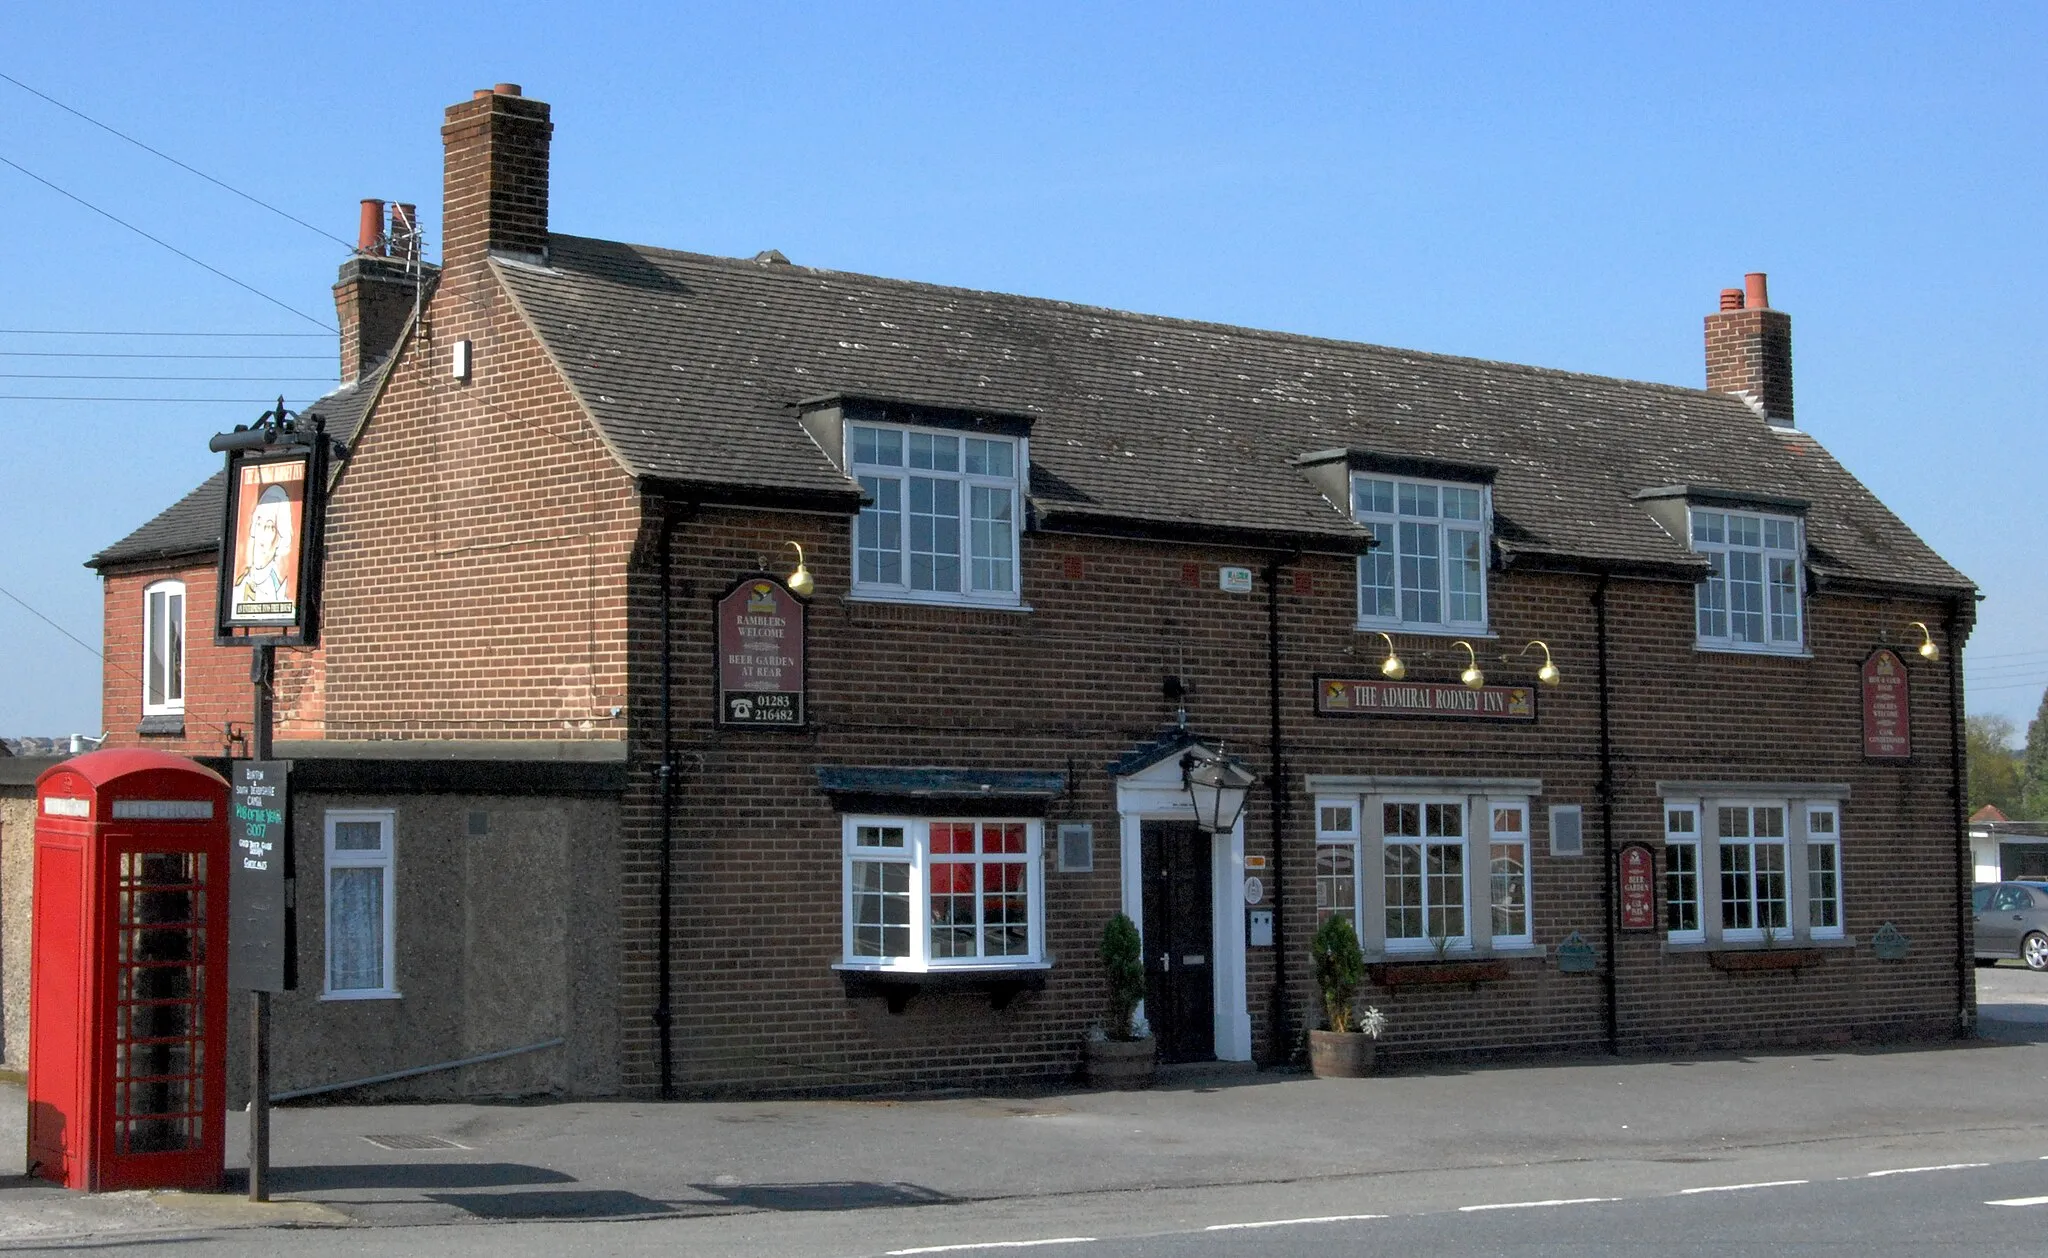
(1341, 1054)
(1123, 1064)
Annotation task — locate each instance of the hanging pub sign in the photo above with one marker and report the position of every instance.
(1638, 887)
(1357, 696)
(271, 535)
(761, 654)
(262, 921)
(1887, 715)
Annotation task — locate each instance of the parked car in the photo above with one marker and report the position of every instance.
(2012, 921)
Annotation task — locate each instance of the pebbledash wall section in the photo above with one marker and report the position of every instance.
(1073, 683)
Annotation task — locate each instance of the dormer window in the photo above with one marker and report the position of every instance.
(941, 521)
(1426, 571)
(1751, 597)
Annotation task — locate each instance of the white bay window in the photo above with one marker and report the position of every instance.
(930, 894)
(1750, 864)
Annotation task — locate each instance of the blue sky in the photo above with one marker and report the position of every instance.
(1563, 185)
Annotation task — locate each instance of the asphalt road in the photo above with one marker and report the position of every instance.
(1842, 1152)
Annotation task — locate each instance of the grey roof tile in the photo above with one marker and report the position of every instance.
(691, 366)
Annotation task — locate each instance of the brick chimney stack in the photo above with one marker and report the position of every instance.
(1749, 350)
(373, 297)
(495, 181)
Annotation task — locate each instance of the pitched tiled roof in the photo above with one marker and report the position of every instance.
(191, 526)
(691, 366)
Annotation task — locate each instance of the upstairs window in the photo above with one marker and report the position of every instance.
(1427, 568)
(941, 523)
(163, 653)
(1751, 597)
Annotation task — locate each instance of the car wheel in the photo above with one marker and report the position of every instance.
(2034, 951)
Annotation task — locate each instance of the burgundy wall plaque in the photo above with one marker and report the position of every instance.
(760, 655)
(1638, 887)
(1357, 696)
(1887, 714)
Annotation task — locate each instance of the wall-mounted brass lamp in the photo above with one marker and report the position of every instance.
(1471, 676)
(1928, 651)
(800, 582)
(1547, 674)
(1392, 668)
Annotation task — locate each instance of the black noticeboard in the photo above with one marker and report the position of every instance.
(263, 940)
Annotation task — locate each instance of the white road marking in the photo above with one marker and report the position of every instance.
(2020, 1201)
(1322, 1218)
(1530, 1205)
(954, 1249)
(1915, 1170)
(1773, 1183)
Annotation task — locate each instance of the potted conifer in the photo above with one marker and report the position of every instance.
(1349, 1048)
(1121, 1053)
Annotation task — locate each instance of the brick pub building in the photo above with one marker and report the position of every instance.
(1056, 549)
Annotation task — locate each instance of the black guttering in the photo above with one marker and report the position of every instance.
(1054, 517)
(1608, 858)
(1720, 496)
(1280, 1048)
(1393, 464)
(1952, 622)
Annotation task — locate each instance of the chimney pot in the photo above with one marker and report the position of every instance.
(1731, 299)
(370, 228)
(480, 93)
(1755, 295)
(506, 89)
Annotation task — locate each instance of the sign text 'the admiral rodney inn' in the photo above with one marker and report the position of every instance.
(1347, 696)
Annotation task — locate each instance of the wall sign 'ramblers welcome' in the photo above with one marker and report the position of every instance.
(1357, 696)
(761, 655)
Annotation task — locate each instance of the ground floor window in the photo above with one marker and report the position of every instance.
(1762, 852)
(361, 914)
(1421, 870)
(931, 894)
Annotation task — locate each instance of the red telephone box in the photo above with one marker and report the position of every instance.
(128, 970)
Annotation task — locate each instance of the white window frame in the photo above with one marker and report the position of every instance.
(384, 859)
(1427, 942)
(1496, 837)
(916, 855)
(1337, 831)
(1830, 841)
(901, 474)
(1779, 555)
(1759, 929)
(153, 625)
(1391, 549)
(1688, 839)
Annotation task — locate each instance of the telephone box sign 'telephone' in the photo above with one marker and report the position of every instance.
(127, 991)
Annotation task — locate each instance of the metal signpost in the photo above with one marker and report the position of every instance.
(269, 596)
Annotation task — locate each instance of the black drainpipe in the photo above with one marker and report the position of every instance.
(1281, 1045)
(1607, 855)
(665, 778)
(1966, 966)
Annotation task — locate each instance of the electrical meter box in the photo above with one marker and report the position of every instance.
(128, 974)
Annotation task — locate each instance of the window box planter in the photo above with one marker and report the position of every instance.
(1407, 973)
(896, 989)
(1766, 959)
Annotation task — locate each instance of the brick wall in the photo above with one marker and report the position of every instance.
(219, 701)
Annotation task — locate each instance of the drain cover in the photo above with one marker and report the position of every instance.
(411, 1142)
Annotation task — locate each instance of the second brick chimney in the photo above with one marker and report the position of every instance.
(375, 293)
(495, 181)
(1749, 350)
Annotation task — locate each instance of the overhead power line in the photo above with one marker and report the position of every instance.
(89, 332)
(168, 245)
(49, 375)
(253, 200)
(78, 353)
(66, 397)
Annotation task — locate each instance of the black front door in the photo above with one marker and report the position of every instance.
(1180, 962)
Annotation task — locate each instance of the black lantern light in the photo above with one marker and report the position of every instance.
(1217, 784)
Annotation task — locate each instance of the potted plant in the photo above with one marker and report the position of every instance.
(1348, 1049)
(1121, 1052)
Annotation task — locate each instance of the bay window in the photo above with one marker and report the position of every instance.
(942, 522)
(924, 894)
(1756, 869)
